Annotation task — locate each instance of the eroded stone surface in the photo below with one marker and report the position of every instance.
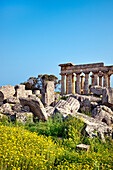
(47, 96)
(95, 127)
(17, 107)
(5, 108)
(73, 103)
(103, 114)
(12, 100)
(97, 90)
(1, 97)
(21, 92)
(23, 117)
(107, 96)
(7, 91)
(36, 107)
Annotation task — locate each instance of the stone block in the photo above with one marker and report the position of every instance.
(21, 92)
(96, 90)
(83, 147)
(36, 92)
(47, 96)
(6, 92)
(107, 96)
(28, 92)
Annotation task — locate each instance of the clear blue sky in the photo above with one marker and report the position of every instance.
(37, 35)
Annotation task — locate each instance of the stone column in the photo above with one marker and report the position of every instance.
(109, 82)
(78, 89)
(86, 83)
(82, 83)
(70, 84)
(62, 84)
(105, 81)
(67, 79)
(92, 79)
(95, 83)
(73, 83)
(100, 78)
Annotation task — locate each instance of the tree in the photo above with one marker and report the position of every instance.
(34, 83)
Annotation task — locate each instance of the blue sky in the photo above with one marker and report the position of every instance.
(38, 35)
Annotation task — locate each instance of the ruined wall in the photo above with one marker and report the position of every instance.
(7, 91)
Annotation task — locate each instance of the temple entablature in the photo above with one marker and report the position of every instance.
(100, 76)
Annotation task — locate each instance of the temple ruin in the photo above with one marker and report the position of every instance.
(100, 77)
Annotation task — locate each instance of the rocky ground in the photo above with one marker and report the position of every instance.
(21, 106)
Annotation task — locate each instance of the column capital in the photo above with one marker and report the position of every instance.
(62, 74)
(82, 76)
(86, 72)
(92, 76)
(105, 72)
(95, 72)
(100, 74)
(69, 73)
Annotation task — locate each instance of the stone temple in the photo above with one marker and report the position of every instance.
(99, 73)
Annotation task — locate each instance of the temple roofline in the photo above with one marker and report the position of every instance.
(66, 64)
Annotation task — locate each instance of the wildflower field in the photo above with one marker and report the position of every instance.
(37, 146)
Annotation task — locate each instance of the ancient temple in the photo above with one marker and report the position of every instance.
(99, 74)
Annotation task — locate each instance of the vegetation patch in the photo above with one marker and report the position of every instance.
(37, 146)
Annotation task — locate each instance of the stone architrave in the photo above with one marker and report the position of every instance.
(86, 83)
(70, 84)
(67, 79)
(48, 96)
(78, 89)
(62, 84)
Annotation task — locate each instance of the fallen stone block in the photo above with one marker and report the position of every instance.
(83, 147)
(107, 96)
(36, 107)
(96, 90)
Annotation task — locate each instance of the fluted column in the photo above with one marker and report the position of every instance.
(105, 81)
(92, 79)
(100, 78)
(109, 82)
(67, 79)
(73, 83)
(82, 83)
(62, 84)
(86, 83)
(95, 78)
(70, 84)
(78, 89)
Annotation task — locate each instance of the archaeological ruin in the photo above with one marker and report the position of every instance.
(100, 76)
